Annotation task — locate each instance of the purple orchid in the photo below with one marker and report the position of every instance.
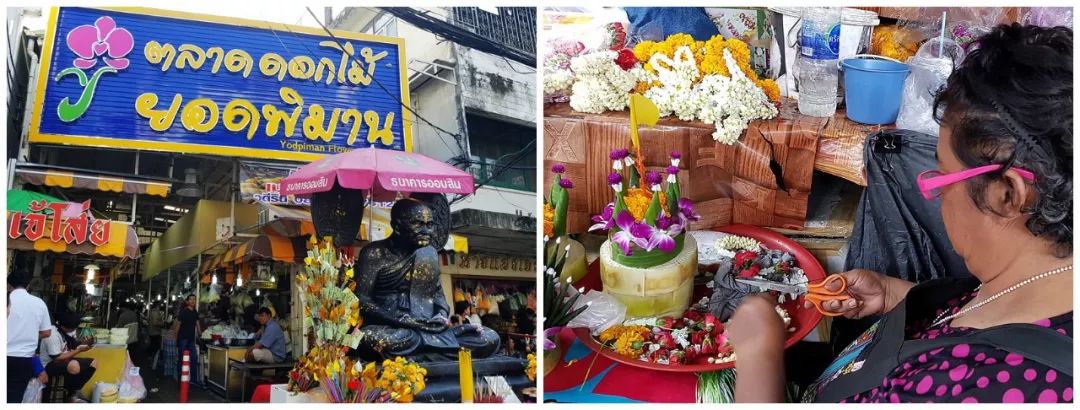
(631, 232)
(663, 235)
(675, 158)
(548, 334)
(565, 183)
(103, 39)
(661, 239)
(618, 154)
(604, 221)
(558, 168)
(672, 170)
(663, 222)
(686, 207)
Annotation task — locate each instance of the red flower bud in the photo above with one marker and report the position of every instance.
(626, 59)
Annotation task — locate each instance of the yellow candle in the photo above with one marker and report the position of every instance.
(466, 375)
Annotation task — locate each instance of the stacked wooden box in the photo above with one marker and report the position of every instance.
(729, 184)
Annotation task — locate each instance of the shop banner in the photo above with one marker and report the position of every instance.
(147, 79)
(59, 222)
(262, 183)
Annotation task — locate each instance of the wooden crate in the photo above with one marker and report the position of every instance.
(728, 183)
(840, 147)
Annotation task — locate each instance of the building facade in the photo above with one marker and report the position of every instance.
(476, 110)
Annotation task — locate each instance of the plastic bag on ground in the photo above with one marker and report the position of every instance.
(33, 391)
(131, 384)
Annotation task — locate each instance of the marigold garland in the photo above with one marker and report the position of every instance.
(709, 56)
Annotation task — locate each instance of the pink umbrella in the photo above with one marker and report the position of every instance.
(394, 170)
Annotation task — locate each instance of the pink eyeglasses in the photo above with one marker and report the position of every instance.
(931, 182)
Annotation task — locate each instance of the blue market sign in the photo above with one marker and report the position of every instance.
(149, 79)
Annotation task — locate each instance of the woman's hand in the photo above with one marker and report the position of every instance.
(756, 325)
(871, 294)
(757, 333)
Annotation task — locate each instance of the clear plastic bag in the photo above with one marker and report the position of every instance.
(603, 312)
(131, 384)
(962, 24)
(33, 391)
(1049, 16)
(930, 68)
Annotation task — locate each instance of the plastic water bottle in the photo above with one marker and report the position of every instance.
(819, 50)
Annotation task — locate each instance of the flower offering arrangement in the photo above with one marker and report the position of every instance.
(710, 81)
(331, 310)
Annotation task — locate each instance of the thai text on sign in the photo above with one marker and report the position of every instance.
(162, 80)
(60, 225)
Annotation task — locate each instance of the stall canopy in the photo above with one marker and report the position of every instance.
(262, 247)
(69, 179)
(194, 233)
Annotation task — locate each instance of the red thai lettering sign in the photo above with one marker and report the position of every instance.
(63, 224)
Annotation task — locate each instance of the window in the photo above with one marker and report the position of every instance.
(384, 25)
(494, 144)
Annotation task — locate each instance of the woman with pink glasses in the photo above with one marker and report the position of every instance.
(1004, 180)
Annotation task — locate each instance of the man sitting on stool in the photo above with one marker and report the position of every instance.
(271, 346)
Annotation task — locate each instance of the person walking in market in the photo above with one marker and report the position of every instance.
(271, 346)
(1004, 179)
(27, 323)
(187, 329)
(154, 323)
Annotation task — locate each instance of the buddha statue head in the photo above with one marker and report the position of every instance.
(413, 223)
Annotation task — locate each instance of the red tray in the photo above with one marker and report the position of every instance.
(803, 320)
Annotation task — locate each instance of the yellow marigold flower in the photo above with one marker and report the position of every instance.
(629, 344)
(771, 88)
(549, 220)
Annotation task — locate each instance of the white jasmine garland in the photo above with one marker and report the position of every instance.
(601, 85)
(558, 82)
(733, 102)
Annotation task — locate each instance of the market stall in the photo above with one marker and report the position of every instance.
(716, 153)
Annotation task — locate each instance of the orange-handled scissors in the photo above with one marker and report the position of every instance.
(816, 293)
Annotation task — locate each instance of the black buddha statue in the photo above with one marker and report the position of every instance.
(401, 296)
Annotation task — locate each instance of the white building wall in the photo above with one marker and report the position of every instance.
(498, 86)
(489, 85)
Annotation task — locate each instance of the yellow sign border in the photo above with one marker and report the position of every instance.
(36, 136)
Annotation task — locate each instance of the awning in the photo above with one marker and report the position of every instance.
(193, 234)
(68, 179)
(123, 242)
(260, 248)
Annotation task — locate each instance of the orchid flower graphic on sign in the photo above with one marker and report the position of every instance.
(103, 40)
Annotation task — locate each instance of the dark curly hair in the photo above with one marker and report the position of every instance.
(1010, 103)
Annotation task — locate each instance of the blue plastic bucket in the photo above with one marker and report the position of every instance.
(873, 88)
